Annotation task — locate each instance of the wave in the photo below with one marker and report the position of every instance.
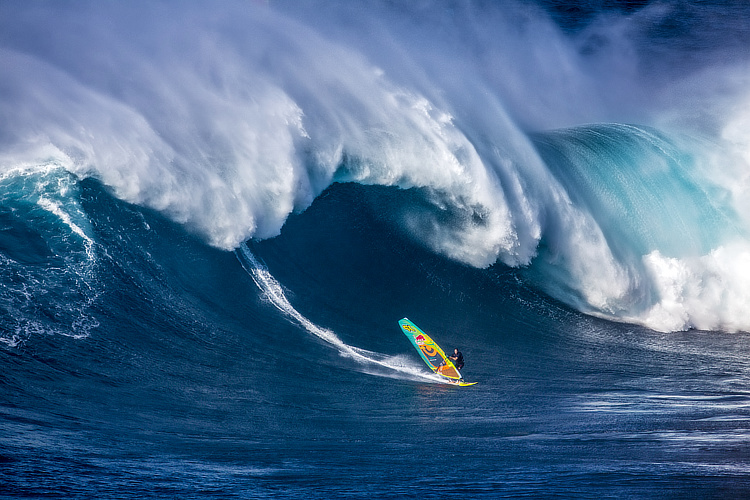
(660, 244)
(229, 118)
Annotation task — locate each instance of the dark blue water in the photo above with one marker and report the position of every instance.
(205, 250)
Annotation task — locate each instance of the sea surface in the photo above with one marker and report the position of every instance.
(212, 217)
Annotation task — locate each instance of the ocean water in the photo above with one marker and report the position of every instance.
(212, 217)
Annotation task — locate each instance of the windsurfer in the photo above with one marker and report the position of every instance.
(457, 358)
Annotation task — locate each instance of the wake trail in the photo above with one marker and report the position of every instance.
(272, 290)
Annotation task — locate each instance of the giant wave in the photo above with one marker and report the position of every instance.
(515, 133)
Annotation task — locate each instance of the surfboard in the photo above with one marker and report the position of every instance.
(432, 354)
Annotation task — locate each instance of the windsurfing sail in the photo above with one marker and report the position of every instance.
(431, 353)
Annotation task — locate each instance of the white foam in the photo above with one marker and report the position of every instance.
(709, 292)
(55, 208)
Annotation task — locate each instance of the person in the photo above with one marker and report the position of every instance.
(457, 358)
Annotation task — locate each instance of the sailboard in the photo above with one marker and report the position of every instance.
(431, 353)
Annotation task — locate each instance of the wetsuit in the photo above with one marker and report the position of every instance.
(459, 362)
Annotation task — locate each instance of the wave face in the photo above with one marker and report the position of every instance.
(230, 118)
